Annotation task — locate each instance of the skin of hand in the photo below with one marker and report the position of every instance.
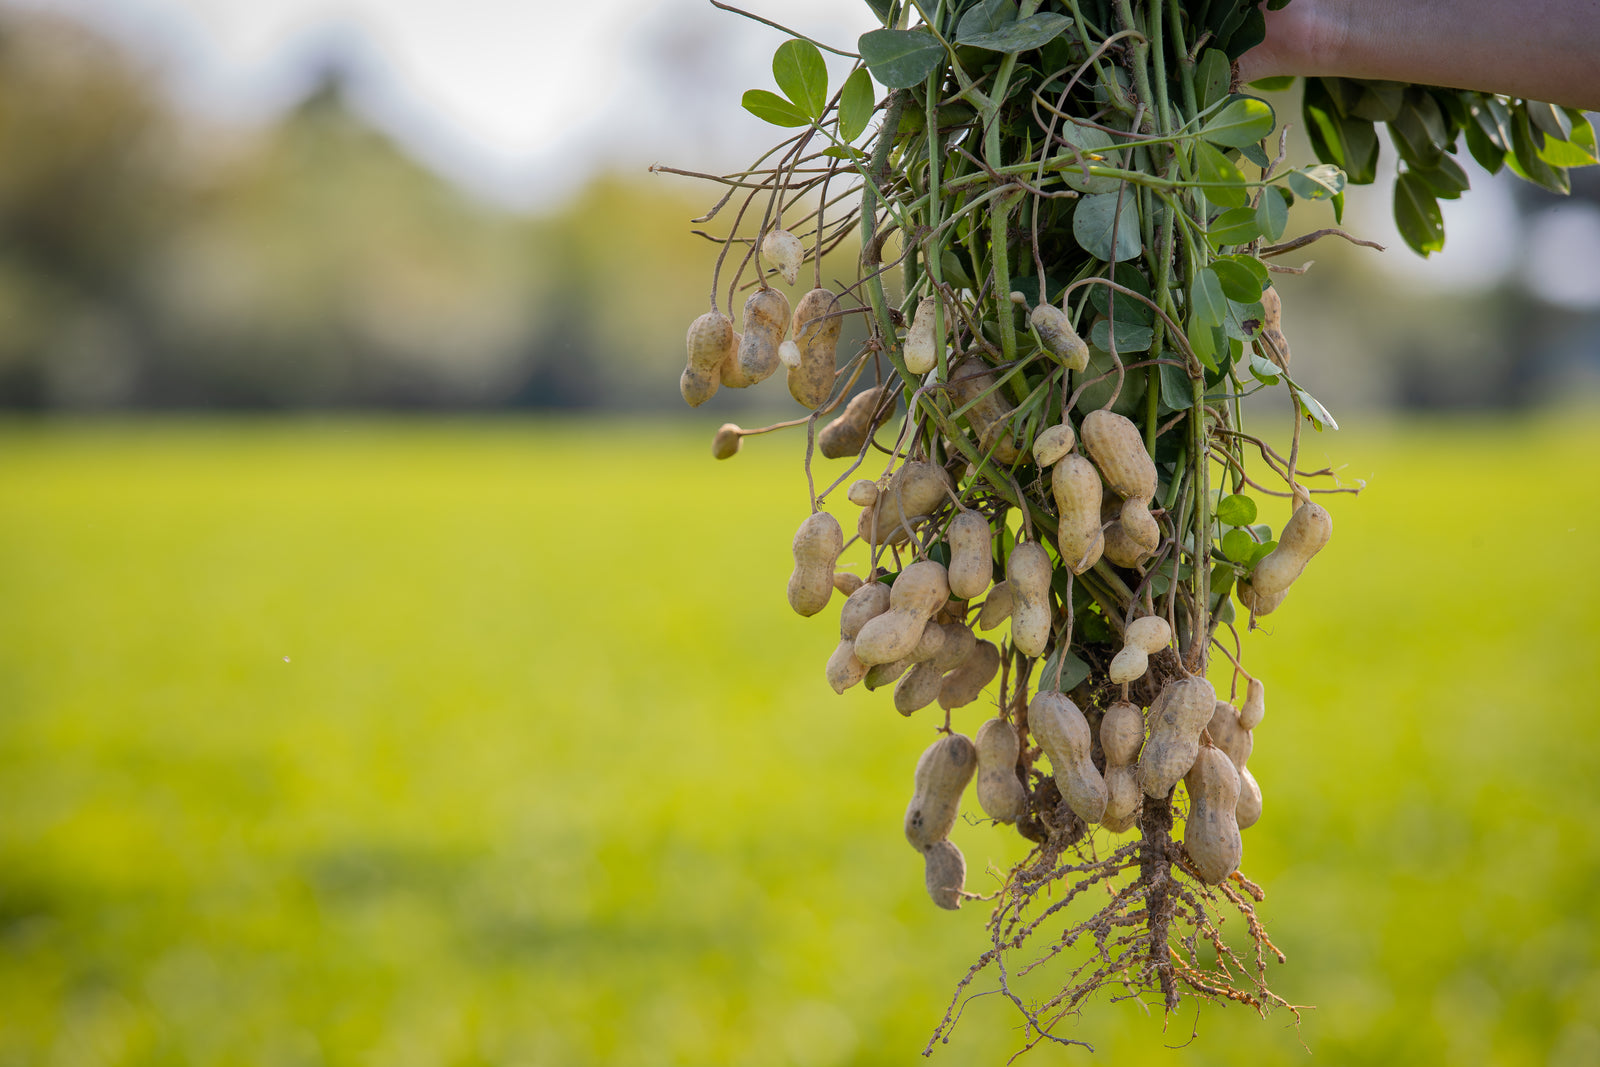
(1534, 49)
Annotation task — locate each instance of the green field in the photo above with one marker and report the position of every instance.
(387, 743)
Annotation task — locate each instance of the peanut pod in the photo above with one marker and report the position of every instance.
(1063, 733)
(942, 773)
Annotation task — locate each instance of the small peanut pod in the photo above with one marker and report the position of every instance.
(882, 674)
(697, 386)
(1117, 448)
(1236, 742)
(1121, 734)
(971, 382)
(729, 370)
(964, 684)
(1076, 488)
(942, 774)
(1307, 530)
(847, 434)
(846, 583)
(919, 591)
(868, 602)
(1052, 443)
(918, 489)
(863, 492)
(922, 684)
(1272, 343)
(945, 874)
(996, 606)
(1254, 708)
(919, 350)
(1000, 793)
(1211, 833)
(816, 335)
(785, 252)
(1028, 575)
(1177, 718)
(817, 545)
(1146, 636)
(1058, 337)
(709, 340)
(970, 565)
(726, 443)
(766, 321)
(1258, 604)
(1063, 733)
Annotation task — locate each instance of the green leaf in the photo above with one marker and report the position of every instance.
(1207, 305)
(1246, 120)
(1097, 219)
(1131, 337)
(770, 107)
(839, 152)
(855, 104)
(1238, 546)
(1493, 118)
(1107, 300)
(1176, 392)
(1024, 35)
(1410, 135)
(1577, 151)
(1276, 84)
(1259, 552)
(1222, 579)
(1073, 670)
(955, 272)
(1089, 142)
(1237, 226)
(1272, 214)
(882, 9)
(1320, 416)
(1417, 214)
(1236, 510)
(900, 59)
(1490, 156)
(1525, 158)
(1212, 76)
(1550, 119)
(1380, 101)
(986, 16)
(1264, 369)
(1321, 182)
(1447, 181)
(1244, 320)
(798, 69)
(1225, 182)
(1206, 344)
(1242, 277)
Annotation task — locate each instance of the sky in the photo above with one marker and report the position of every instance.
(522, 100)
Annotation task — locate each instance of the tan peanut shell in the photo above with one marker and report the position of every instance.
(922, 684)
(844, 669)
(942, 774)
(863, 492)
(1052, 443)
(1146, 635)
(965, 684)
(945, 874)
(1117, 448)
(919, 351)
(971, 382)
(725, 445)
(1254, 708)
(785, 252)
(919, 591)
(996, 606)
(846, 583)
(916, 490)
(816, 335)
(709, 340)
(766, 321)
(817, 544)
(1121, 734)
(1253, 600)
(1059, 338)
(847, 434)
(882, 674)
(1028, 575)
(1076, 488)
(1272, 343)
(1000, 792)
(1176, 720)
(1211, 833)
(970, 565)
(697, 386)
(1307, 530)
(1063, 733)
(729, 371)
(1236, 742)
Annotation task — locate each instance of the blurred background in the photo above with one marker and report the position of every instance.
(388, 675)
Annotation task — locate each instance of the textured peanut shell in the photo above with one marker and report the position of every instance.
(846, 583)
(1076, 488)
(996, 606)
(1211, 832)
(1052, 443)
(919, 591)
(1063, 733)
(729, 370)
(1254, 708)
(945, 874)
(917, 489)
(697, 386)
(965, 684)
(1000, 793)
(882, 674)
(942, 774)
(971, 382)
(919, 351)
(1228, 734)
(847, 434)
(1128, 664)
(817, 544)
(1121, 734)
(1140, 526)
(1272, 343)
(1307, 530)
(725, 445)
(709, 340)
(766, 322)
(923, 683)
(1255, 602)
(970, 565)
(816, 334)
(1028, 575)
(863, 492)
(784, 251)
(844, 669)
(1117, 448)
(1149, 632)
(1176, 719)
(1121, 549)
(1059, 338)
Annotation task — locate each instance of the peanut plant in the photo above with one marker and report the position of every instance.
(1068, 216)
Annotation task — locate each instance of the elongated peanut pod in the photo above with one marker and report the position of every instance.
(817, 545)
(918, 489)
(1255, 602)
(1058, 337)
(965, 684)
(1121, 734)
(1146, 636)
(970, 565)
(996, 606)
(1000, 792)
(882, 674)
(990, 414)
(922, 684)
(1028, 574)
(785, 252)
(1117, 448)
(816, 338)
(1211, 833)
(1176, 720)
(1063, 733)
(1052, 443)
(919, 591)
(697, 386)
(942, 774)
(844, 668)
(1307, 530)
(1234, 740)
(1076, 488)
(847, 434)
(1272, 343)
(709, 340)
(726, 443)
(1254, 708)
(919, 351)
(945, 874)
(766, 321)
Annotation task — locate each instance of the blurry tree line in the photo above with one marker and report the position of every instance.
(150, 260)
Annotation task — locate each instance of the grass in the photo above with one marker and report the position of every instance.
(450, 743)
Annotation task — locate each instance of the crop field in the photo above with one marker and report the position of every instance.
(450, 743)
